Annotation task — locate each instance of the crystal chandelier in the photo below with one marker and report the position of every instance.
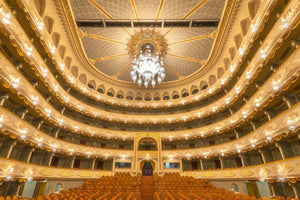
(147, 68)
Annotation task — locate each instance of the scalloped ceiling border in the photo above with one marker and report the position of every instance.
(64, 10)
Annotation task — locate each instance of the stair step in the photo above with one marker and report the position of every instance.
(147, 188)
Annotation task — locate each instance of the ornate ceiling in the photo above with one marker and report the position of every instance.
(188, 47)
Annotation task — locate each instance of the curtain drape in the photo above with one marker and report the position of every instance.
(40, 189)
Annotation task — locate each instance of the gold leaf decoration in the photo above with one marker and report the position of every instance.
(246, 172)
(292, 117)
(264, 171)
(85, 173)
(5, 167)
(227, 173)
(285, 168)
(208, 174)
(65, 173)
(147, 36)
(100, 174)
(46, 172)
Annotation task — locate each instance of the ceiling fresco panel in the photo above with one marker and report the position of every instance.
(199, 49)
(96, 49)
(118, 63)
(107, 47)
(176, 9)
(210, 10)
(83, 9)
(147, 9)
(118, 9)
(182, 66)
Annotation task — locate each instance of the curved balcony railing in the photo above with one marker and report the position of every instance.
(12, 170)
(280, 79)
(288, 121)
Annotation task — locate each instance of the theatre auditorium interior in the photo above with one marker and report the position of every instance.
(149, 99)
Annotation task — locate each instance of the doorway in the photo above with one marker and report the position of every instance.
(147, 168)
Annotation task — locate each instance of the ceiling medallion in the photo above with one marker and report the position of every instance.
(147, 49)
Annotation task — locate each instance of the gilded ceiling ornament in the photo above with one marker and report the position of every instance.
(81, 33)
(147, 36)
(147, 49)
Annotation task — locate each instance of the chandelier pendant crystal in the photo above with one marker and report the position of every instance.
(147, 68)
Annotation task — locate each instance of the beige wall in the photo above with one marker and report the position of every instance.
(227, 185)
(66, 184)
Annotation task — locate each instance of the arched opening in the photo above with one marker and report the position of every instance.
(147, 97)
(92, 84)
(101, 89)
(110, 92)
(253, 7)
(40, 6)
(147, 167)
(48, 21)
(120, 95)
(74, 71)
(129, 97)
(82, 78)
(147, 144)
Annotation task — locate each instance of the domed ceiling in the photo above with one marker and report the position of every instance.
(189, 27)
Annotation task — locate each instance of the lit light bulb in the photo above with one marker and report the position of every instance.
(285, 22)
(253, 28)
(6, 18)
(40, 26)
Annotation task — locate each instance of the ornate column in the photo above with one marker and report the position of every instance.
(113, 167)
(272, 188)
(11, 148)
(262, 155)
(201, 164)
(3, 97)
(180, 162)
(221, 162)
(72, 162)
(93, 163)
(50, 158)
(242, 160)
(236, 133)
(292, 185)
(29, 155)
(280, 150)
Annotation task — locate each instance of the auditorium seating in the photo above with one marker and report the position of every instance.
(172, 186)
(122, 186)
